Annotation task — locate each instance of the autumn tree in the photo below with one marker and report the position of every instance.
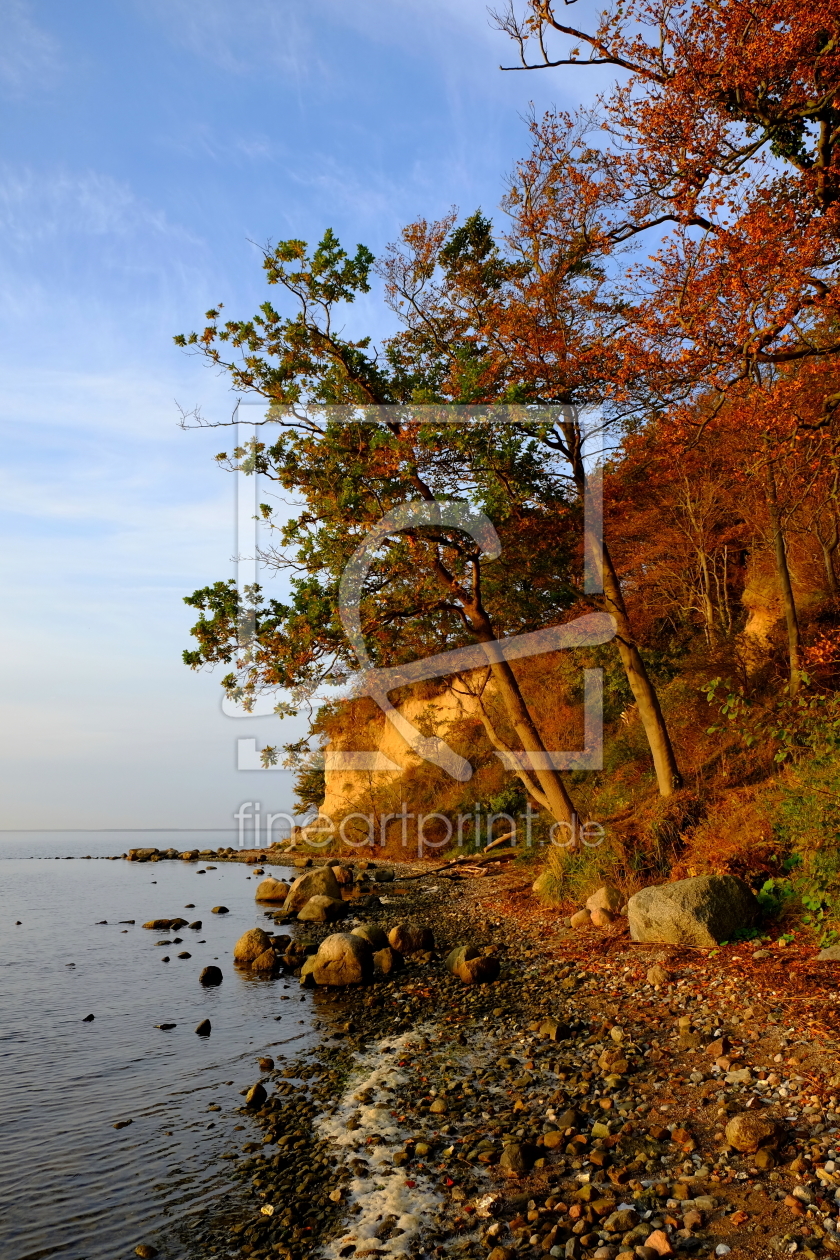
(353, 448)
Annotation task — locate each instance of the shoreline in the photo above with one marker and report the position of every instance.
(581, 1098)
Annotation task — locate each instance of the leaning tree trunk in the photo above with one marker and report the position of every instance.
(553, 789)
(783, 572)
(668, 775)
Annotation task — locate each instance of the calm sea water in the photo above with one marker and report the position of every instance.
(71, 1185)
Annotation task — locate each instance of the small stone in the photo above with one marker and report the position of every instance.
(145, 1251)
(184, 954)
(516, 1159)
(266, 1064)
(203, 1029)
(601, 918)
(123, 1124)
(658, 1242)
(502, 1253)
(88, 1019)
(581, 920)
(657, 976)
(220, 910)
(211, 975)
(831, 954)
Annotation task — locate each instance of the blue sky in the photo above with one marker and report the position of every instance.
(147, 145)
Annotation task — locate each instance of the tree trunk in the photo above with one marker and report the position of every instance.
(783, 571)
(668, 775)
(828, 559)
(553, 788)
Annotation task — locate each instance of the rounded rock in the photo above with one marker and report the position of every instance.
(211, 975)
(343, 959)
(250, 946)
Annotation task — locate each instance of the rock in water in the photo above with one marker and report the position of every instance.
(250, 945)
(158, 925)
(88, 1019)
(203, 1029)
(266, 1064)
(211, 975)
(408, 938)
(322, 909)
(174, 924)
(374, 935)
(701, 911)
(220, 910)
(145, 1251)
(271, 890)
(343, 959)
(266, 961)
(256, 1096)
(606, 898)
(318, 882)
(196, 927)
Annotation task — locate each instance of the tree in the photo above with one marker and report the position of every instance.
(532, 322)
(353, 453)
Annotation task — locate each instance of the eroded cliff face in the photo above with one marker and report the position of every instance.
(369, 762)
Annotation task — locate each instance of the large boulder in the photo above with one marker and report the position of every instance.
(701, 911)
(408, 938)
(471, 966)
(250, 946)
(323, 910)
(750, 1131)
(317, 882)
(266, 961)
(271, 889)
(459, 955)
(387, 961)
(374, 935)
(343, 959)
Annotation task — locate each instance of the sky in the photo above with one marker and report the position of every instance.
(148, 149)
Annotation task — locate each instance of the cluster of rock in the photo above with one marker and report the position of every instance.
(323, 893)
(358, 956)
(701, 911)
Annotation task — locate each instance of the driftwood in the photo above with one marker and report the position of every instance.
(472, 859)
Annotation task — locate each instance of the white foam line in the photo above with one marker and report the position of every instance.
(383, 1192)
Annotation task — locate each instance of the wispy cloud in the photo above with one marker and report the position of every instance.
(29, 55)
